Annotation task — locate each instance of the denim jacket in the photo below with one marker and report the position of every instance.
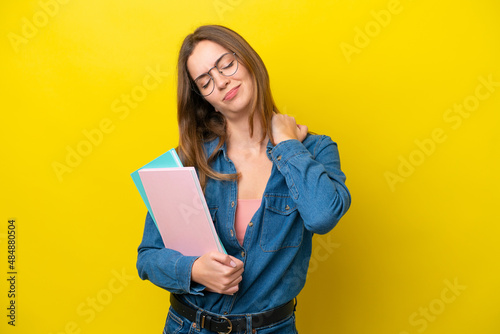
(305, 194)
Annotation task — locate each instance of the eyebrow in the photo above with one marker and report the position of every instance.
(222, 55)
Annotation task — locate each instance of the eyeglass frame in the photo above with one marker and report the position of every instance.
(197, 90)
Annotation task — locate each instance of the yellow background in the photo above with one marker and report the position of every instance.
(386, 268)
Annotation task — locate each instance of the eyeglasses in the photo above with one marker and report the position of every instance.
(227, 65)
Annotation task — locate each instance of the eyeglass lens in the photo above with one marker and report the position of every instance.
(227, 65)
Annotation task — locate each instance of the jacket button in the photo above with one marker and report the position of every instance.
(232, 204)
(242, 254)
(287, 207)
(232, 233)
(278, 158)
(250, 224)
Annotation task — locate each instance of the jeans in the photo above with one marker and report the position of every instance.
(177, 324)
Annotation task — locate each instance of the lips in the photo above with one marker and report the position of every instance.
(231, 94)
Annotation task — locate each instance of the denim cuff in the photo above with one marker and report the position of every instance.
(286, 150)
(183, 268)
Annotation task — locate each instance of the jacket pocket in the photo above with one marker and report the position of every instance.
(281, 226)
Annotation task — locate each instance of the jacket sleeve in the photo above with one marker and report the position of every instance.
(315, 180)
(162, 266)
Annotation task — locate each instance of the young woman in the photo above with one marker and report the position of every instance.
(269, 185)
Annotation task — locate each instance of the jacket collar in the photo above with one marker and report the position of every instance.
(211, 145)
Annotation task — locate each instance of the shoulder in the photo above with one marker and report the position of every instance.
(315, 143)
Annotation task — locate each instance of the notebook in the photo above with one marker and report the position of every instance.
(168, 159)
(179, 207)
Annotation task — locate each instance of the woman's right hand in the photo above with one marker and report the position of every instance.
(218, 272)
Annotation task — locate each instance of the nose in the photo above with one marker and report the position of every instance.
(221, 81)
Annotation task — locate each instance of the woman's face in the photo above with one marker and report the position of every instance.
(231, 95)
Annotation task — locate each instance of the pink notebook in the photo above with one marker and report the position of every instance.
(180, 210)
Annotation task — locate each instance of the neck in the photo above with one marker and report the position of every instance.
(240, 137)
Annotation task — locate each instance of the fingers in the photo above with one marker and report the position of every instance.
(285, 127)
(237, 263)
(227, 260)
(228, 284)
(302, 134)
(229, 274)
(218, 272)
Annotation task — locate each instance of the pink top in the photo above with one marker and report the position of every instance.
(245, 210)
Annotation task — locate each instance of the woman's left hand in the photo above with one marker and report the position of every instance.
(285, 127)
